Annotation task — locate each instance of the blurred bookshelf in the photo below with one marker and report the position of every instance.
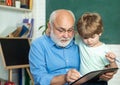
(14, 8)
(26, 25)
(25, 5)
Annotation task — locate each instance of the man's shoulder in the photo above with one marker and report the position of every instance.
(40, 39)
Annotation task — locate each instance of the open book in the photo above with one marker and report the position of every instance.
(94, 75)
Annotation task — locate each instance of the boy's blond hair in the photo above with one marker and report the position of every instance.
(89, 24)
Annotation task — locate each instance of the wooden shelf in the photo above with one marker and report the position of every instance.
(14, 8)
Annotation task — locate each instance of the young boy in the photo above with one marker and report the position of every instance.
(92, 51)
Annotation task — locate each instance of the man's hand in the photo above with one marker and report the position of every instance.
(72, 75)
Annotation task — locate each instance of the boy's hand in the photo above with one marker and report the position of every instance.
(107, 76)
(111, 57)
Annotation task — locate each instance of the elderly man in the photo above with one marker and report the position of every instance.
(54, 59)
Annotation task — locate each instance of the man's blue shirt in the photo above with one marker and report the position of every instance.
(48, 60)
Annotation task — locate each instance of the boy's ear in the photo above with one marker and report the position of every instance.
(100, 34)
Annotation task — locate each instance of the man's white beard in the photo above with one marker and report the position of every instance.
(59, 41)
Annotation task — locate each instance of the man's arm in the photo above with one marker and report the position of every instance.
(71, 76)
(38, 65)
(59, 80)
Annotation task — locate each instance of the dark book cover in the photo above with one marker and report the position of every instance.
(92, 76)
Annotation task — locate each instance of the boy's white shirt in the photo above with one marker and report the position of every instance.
(92, 58)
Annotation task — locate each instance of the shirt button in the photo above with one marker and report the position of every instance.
(67, 70)
(67, 61)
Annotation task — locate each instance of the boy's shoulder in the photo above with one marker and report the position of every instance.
(77, 38)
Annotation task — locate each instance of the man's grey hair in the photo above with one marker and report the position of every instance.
(53, 16)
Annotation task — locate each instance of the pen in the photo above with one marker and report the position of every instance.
(117, 60)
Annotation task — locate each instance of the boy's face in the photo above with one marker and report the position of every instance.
(92, 41)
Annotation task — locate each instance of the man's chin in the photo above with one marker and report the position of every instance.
(63, 44)
(64, 41)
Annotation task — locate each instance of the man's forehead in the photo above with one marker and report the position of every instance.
(64, 24)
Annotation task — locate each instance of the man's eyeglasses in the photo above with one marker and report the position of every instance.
(62, 30)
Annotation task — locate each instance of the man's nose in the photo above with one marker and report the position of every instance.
(66, 34)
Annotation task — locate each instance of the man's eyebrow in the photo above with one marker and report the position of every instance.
(61, 28)
(65, 29)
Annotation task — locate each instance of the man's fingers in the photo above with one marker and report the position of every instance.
(72, 75)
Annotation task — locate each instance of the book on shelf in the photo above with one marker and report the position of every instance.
(30, 4)
(27, 4)
(24, 30)
(2, 2)
(20, 32)
(29, 23)
(7, 2)
(24, 4)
